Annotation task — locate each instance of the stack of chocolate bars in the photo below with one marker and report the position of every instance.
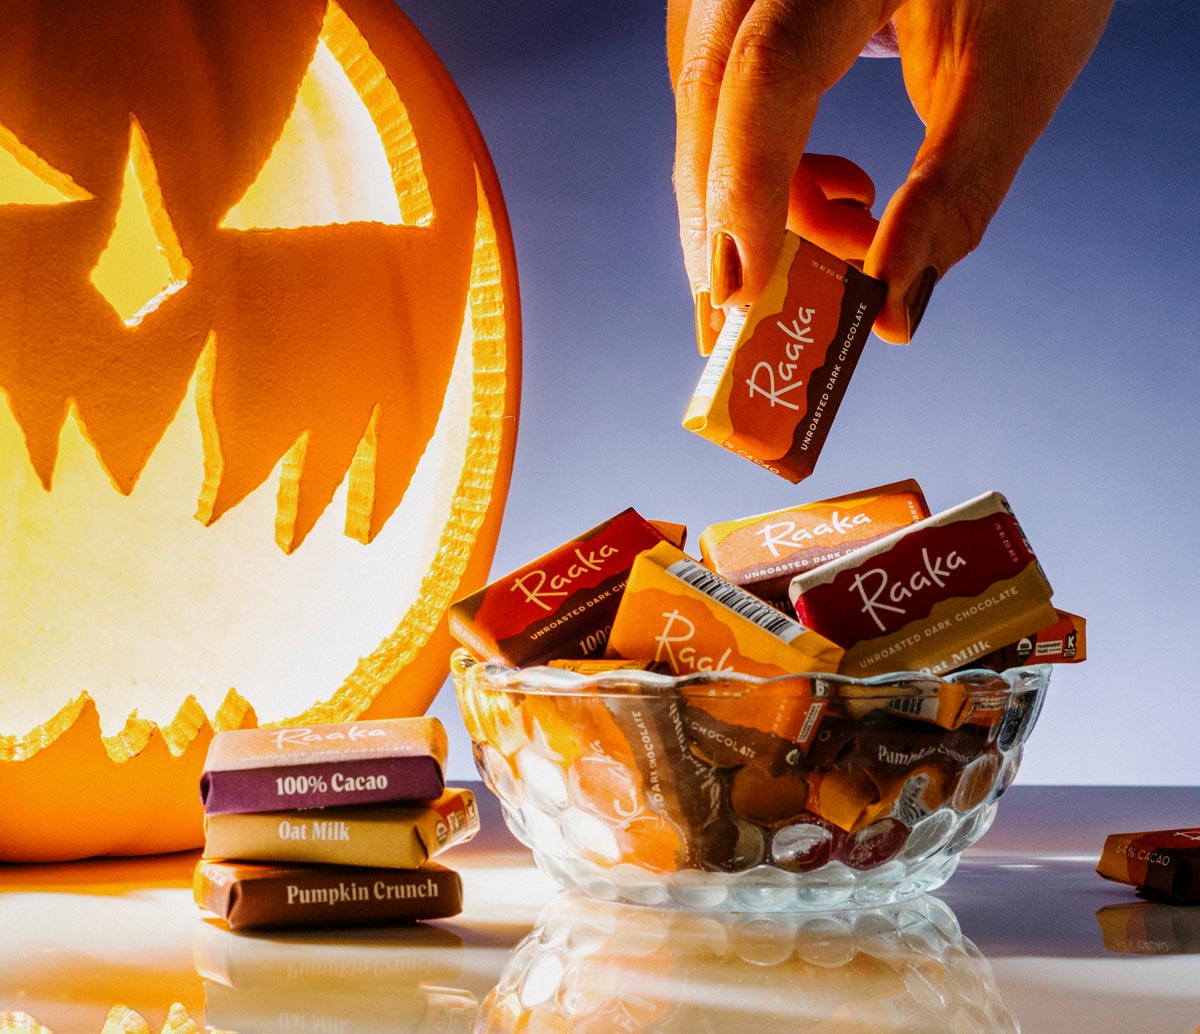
(331, 825)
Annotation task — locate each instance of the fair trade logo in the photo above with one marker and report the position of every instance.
(538, 587)
(675, 647)
(773, 381)
(879, 592)
(789, 535)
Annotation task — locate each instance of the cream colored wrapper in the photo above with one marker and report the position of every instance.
(376, 836)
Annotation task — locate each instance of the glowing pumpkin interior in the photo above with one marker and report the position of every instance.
(257, 311)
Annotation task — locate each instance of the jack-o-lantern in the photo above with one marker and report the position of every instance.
(254, 270)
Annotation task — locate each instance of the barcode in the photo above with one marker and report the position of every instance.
(714, 369)
(737, 600)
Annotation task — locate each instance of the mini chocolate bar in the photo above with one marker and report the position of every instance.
(780, 367)
(561, 605)
(931, 597)
(381, 761)
(250, 895)
(762, 554)
(1162, 864)
(388, 836)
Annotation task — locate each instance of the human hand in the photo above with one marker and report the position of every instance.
(985, 76)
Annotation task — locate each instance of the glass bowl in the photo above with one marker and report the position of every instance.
(726, 792)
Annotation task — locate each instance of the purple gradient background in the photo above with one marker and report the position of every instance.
(1058, 364)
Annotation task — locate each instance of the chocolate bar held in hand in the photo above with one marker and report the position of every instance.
(1162, 864)
(384, 761)
(252, 895)
(779, 369)
(388, 836)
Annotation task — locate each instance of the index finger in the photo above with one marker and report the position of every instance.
(783, 59)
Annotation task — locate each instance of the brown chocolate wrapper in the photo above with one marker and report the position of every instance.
(1162, 864)
(249, 896)
(678, 786)
(561, 605)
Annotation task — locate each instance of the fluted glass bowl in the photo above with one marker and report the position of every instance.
(725, 792)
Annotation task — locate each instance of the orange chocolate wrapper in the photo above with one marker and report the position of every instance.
(1161, 863)
(562, 604)
(679, 616)
(780, 368)
(763, 553)
(1064, 642)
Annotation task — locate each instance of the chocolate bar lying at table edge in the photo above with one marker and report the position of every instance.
(561, 605)
(763, 553)
(374, 835)
(379, 761)
(250, 895)
(780, 367)
(1161, 863)
(931, 597)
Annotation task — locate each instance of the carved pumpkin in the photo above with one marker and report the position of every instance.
(255, 278)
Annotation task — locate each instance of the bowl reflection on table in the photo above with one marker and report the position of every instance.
(642, 788)
(594, 966)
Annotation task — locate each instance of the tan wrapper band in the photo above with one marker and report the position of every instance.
(374, 836)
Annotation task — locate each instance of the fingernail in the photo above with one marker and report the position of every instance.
(725, 268)
(708, 322)
(918, 298)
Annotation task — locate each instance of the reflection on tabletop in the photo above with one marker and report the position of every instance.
(598, 967)
(370, 981)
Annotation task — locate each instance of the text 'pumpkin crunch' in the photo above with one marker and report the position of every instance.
(241, 245)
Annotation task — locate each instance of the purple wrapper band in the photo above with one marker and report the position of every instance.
(370, 780)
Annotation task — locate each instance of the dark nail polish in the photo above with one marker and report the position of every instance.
(918, 298)
(725, 268)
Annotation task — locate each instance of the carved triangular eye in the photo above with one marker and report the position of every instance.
(348, 121)
(26, 179)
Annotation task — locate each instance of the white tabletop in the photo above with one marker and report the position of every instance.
(1025, 936)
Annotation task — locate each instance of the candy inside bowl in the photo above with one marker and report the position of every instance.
(727, 792)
